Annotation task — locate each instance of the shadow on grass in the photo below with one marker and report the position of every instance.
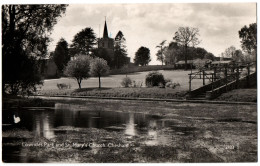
(90, 89)
(130, 73)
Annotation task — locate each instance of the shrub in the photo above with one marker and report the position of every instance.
(172, 85)
(154, 79)
(167, 80)
(137, 84)
(64, 86)
(126, 82)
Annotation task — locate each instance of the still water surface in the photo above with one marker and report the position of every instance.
(42, 121)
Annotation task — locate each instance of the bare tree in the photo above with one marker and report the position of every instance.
(187, 37)
(230, 52)
(159, 54)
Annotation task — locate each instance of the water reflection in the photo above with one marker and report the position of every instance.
(43, 126)
(130, 126)
(42, 122)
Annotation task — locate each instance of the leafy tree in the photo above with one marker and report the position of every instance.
(170, 55)
(25, 31)
(120, 40)
(210, 56)
(200, 53)
(187, 36)
(249, 38)
(142, 56)
(79, 68)
(238, 56)
(61, 54)
(25, 75)
(120, 52)
(102, 53)
(98, 68)
(83, 42)
(160, 53)
(229, 52)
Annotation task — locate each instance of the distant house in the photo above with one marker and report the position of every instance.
(193, 63)
(181, 64)
(222, 59)
(220, 63)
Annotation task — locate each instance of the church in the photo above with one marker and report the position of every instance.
(106, 42)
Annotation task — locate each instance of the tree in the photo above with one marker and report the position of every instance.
(233, 53)
(159, 54)
(200, 53)
(170, 55)
(238, 56)
(102, 53)
(187, 36)
(120, 52)
(210, 56)
(79, 68)
(83, 42)
(120, 40)
(249, 39)
(142, 56)
(25, 73)
(230, 52)
(61, 54)
(98, 68)
(25, 33)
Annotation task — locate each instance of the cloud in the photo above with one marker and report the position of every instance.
(148, 24)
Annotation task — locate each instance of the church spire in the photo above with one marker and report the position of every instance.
(105, 34)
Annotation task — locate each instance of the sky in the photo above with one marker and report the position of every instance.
(148, 25)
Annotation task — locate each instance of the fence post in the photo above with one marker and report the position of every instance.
(190, 83)
(247, 78)
(237, 78)
(215, 73)
(226, 77)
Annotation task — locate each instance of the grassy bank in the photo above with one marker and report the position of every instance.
(16, 101)
(200, 133)
(243, 95)
(164, 93)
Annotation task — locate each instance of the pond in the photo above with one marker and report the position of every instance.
(43, 122)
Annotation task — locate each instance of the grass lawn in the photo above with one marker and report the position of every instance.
(244, 95)
(114, 81)
(111, 86)
(155, 92)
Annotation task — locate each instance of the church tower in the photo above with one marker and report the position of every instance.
(106, 42)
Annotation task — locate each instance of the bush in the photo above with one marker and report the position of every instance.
(137, 84)
(167, 80)
(64, 86)
(154, 79)
(126, 82)
(171, 85)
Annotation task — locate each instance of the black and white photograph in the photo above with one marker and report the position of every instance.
(129, 82)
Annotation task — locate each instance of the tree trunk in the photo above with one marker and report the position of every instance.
(186, 46)
(99, 81)
(79, 83)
